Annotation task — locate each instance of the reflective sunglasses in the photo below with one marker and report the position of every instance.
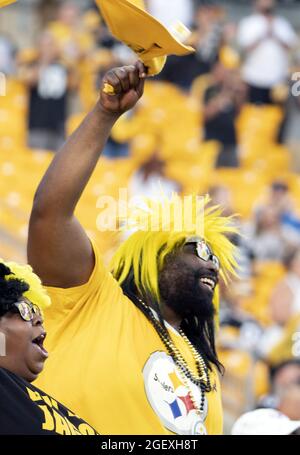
(204, 252)
(28, 310)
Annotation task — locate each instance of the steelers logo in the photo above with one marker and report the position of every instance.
(171, 399)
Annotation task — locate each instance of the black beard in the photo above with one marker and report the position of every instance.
(181, 291)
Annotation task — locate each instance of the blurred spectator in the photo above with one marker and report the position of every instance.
(285, 375)
(223, 100)
(284, 309)
(114, 149)
(72, 32)
(7, 64)
(170, 11)
(232, 314)
(279, 198)
(181, 71)
(221, 195)
(49, 82)
(282, 377)
(291, 130)
(285, 300)
(92, 28)
(265, 422)
(287, 345)
(151, 179)
(264, 237)
(265, 40)
(289, 402)
(209, 34)
(207, 39)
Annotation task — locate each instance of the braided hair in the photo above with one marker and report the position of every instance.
(10, 290)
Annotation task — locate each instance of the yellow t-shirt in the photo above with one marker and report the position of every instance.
(109, 365)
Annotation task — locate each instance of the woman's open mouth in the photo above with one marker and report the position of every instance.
(39, 343)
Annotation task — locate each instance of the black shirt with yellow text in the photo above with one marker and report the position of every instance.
(26, 410)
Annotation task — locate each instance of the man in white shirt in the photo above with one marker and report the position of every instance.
(265, 40)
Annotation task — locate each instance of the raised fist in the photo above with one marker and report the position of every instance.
(122, 88)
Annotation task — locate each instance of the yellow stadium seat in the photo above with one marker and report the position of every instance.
(245, 186)
(245, 380)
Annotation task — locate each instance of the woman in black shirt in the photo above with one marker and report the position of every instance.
(24, 409)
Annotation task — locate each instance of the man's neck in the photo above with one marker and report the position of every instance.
(171, 317)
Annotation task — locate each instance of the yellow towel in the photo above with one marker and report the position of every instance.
(147, 37)
(139, 3)
(6, 2)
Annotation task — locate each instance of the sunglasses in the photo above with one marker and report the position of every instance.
(28, 310)
(204, 252)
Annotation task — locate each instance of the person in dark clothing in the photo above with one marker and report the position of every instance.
(25, 409)
(182, 71)
(207, 38)
(223, 100)
(49, 82)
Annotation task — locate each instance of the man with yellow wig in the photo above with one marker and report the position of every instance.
(134, 347)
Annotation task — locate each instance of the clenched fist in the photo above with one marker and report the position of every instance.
(128, 87)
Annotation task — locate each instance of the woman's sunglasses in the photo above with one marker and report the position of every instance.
(204, 252)
(28, 310)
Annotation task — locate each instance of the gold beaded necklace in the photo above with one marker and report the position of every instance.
(202, 380)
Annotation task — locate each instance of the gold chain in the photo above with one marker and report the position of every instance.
(198, 359)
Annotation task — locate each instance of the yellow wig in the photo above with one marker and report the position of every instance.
(145, 251)
(37, 293)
